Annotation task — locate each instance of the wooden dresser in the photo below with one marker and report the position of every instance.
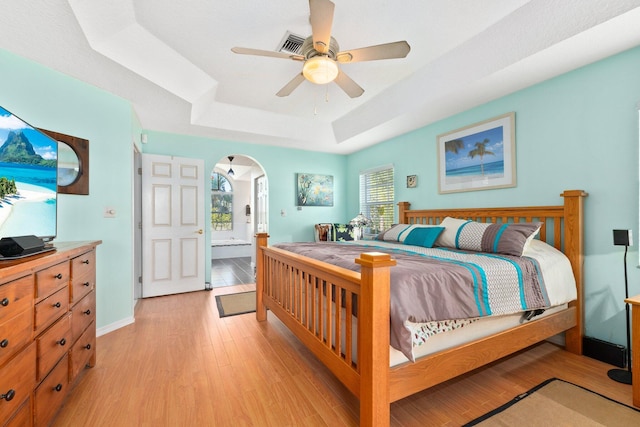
(47, 330)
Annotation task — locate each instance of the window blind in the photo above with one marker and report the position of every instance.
(377, 197)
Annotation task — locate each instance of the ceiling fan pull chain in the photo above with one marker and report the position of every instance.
(326, 94)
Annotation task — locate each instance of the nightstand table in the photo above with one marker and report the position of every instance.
(635, 347)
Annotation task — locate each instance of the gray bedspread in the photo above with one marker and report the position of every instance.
(443, 284)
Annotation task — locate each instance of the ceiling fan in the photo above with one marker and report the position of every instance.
(320, 53)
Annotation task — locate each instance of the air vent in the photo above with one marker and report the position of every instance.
(291, 43)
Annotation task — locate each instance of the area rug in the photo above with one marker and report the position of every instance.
(556, 402)
(239, 303)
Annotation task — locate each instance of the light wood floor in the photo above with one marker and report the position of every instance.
(181, 365)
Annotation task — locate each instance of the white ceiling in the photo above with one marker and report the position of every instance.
(172, 59)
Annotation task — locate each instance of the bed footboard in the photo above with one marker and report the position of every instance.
(315, 301)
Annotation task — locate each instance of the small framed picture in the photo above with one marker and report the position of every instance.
(412, 181)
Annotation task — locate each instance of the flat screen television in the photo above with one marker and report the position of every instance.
(28, 185)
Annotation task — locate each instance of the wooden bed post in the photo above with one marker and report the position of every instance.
(402, 208)
(373, 340)
(261, 310)
(573, 248)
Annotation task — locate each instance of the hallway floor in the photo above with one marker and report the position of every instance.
(231, 271)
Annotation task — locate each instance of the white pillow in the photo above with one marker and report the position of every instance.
(451, 226)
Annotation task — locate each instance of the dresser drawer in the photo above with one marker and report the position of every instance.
(15, 297)
(23, 417)
(82, 314)
(14, 334)
(52, 344)
(17, 379)
(51, 393)
(81, 286)
(51, 279)
(83, 352)
(84, 264)
(83, 275)
(50, 309)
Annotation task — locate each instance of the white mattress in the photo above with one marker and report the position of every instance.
(473, 331)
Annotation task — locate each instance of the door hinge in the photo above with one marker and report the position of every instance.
(139, 171)
(139, 279)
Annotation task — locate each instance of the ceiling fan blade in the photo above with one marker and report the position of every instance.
(290, 87)
(350, 87)
(321, 19)
(371, 53)
(272, 54)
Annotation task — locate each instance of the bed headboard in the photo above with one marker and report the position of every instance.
(554, 219)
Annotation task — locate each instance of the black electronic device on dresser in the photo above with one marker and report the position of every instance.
(21, 246)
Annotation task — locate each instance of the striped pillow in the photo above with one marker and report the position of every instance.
(507, 239)
(412, 234)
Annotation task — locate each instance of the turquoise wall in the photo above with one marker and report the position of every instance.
(576, 131)
(57, 102)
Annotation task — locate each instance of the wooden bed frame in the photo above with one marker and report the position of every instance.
(287, 283)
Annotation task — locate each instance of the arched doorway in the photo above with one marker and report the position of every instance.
(239, 207)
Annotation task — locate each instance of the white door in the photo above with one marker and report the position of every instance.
(137, 221)
(172, 225)
(261, 204)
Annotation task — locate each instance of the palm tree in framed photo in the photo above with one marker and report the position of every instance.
(453, 146)
(481, 151)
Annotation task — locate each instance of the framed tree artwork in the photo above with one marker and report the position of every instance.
(478, 157)
(314, 190)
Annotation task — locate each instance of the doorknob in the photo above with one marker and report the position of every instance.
(200, 231)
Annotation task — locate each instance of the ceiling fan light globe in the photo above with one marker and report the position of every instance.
(320, 70)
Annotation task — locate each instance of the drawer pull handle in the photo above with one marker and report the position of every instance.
(5, 302)
(88, 346)
(58, 276)
(86, 261)
(87, 284)
(88, 312)
(8, 395)
(4, 343)
(57, 305)
(58, 387)
(62, 342)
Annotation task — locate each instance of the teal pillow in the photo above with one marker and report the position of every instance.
(423, 236)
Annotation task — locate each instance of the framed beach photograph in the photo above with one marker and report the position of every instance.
(478, 157)
(314, 189)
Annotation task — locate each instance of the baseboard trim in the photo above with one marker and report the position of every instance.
(115, 325)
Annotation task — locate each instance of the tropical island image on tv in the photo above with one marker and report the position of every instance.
(28, 179)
